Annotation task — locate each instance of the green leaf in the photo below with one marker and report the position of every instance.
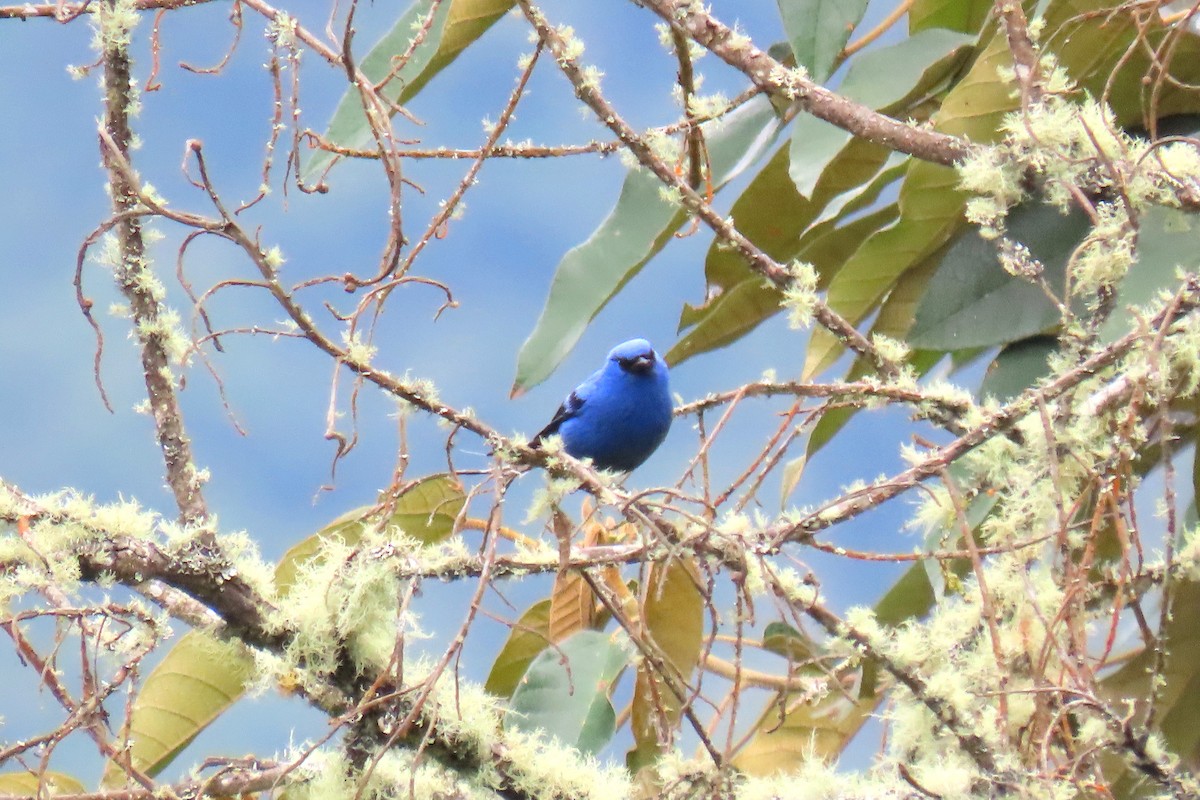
(736, 312)
(726, 319)
(893, 320)
(909, 598)
(40, 784)
(1190, 513)
(930, 205)
(564, 693)
(1179, 705)
(784, 640)
(776, 219)
(194, 683)
(1166, 243)
(859, 197)
(879, 79)
(455, 25)
(426, 510)
(792, 472)
(637, 228)
(822, 729)
(958, 15)
(530, 636)
(1087, 45)
(429, 508)
(978, 98)
(1017, 367)
(773, 215)
(1089, 51)
(973, 302)
(818, 30)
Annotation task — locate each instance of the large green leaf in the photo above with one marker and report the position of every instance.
(1168, 241)
(773, 215)
(863, 195)
(893, 320)
(1017, 367)
(930, 205)
(973, 302)
(199, 678)
(958, 15)
(1179, 693)
(818, 30)
(565, 692)
(454, 26)
(530, 636)
(784, 640)
(883, 79)
(193, 685)
(1111, 55)
(1088, 45)
(635, 230)
(734, 313)
(803, 731)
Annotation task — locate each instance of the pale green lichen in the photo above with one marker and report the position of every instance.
(890, 349)
(663, 146)
(114, 24)
(165, 330)
(358, 351)
(590, 77)
(706, 106)
(343, 598)
(671, 196)
(556, 489)
(572, 45)
(1108, 251)
(795, 588)
(281, 30)
(274, 258)
(800, 295)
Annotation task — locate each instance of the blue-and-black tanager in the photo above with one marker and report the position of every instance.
(621, 414)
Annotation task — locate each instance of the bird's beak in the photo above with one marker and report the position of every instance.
(642, 363)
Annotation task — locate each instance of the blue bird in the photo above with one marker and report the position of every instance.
(618, 416)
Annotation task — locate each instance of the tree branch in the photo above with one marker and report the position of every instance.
(792, 85)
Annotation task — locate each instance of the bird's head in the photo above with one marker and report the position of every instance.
(635, 356)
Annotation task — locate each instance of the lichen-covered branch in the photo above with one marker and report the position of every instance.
(133, 272)
(792, 85)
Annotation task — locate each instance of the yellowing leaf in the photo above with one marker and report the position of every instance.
(805, 730)
(674, 621)
(194, 683)
(34, 785)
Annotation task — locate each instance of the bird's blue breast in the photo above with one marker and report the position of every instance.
(623, 419)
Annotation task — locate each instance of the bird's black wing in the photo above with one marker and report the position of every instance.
(569, 408)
